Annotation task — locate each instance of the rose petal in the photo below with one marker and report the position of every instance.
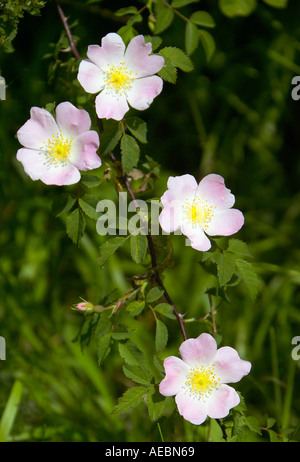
(138, 60)
(182, 186)
(225, 222)
(176, 371)
(33, 162)
(193, 410)
(221, 401)
(200, 350)
(110, 107)
(72, 121)
(38, 129)
(90, 77)
(83, 153)
(61, 175)
(212, 189)
(199, 241)
(143, 91)
(229, 366)
(110, 53)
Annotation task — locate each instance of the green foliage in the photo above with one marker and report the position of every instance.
(12, 11)
(230, 113)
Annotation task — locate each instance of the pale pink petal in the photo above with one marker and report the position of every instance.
(212, 189)
(143, 91)
(170, 216)
(83, 153)
(61, 175)
(38, 129)
(176, 372)
(221, 401)
(225, 222)
(229, 366)
(193, 410)
(199, 241)
(111, 107)
(34, 162)
(90, 77)
(200, 350)
(72, 121)
(110, 53)
(182, 186)
(138, 60)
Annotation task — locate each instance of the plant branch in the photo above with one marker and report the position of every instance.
(67, 29)
(153, 257)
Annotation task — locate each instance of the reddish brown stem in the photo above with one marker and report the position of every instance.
(153, 257)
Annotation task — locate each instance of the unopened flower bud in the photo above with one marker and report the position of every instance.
(85, 307)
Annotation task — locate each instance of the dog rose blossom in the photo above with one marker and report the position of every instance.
(199, 380)
(121, 76)
(55, 150)
(197, 210)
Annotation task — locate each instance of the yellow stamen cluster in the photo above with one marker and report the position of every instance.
(198, 212)
(201, 381)
(119, 78)
(57, 149)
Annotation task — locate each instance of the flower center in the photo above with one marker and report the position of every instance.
(57, 149)
(119, 78)
(201, 381)
(198, 212)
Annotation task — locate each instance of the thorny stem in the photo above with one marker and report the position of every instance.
(67, 29)
(153, 257)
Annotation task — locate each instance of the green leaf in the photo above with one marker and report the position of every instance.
(191, 37)
(137, 127)
(253, 424)
(154, 294)
(226, 267)
(169, 71)
(109, 248)
(202, 18)
(138, 374)
(138, 247)
(178, 58)
(208, 43)
(90, 181)
(164, 17)
(126, 10)
(135, 308)
(166, 310)
(249, 277)
(156, 41)
(239, 247)
(181, 3)
(110, 137)
(130, 153)
(276, 3)
(103, 347)
(129, 400)
(131, 354)
(88, 206)
(75, 225)
(161, 335)
(232, 8)
(62, 204)
(155, 408)
(10, 411)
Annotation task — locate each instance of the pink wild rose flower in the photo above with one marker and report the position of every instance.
(197, 210)
(199, 380)
(121, 76)
(55, 150)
